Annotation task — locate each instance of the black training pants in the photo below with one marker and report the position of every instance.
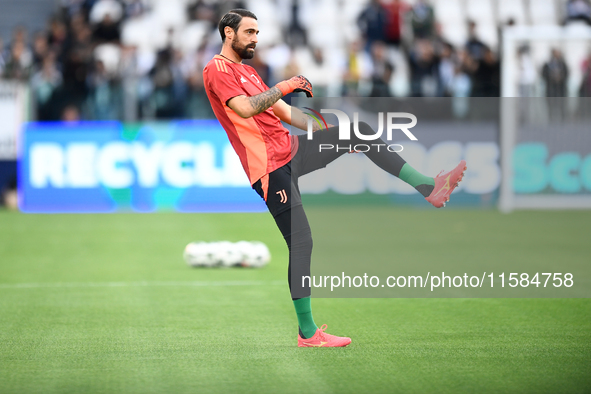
(282, 195)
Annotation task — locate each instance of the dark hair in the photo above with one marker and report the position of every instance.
(233, 19)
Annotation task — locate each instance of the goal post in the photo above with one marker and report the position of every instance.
(545, 142)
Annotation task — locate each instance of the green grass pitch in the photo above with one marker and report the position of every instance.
(105, 304)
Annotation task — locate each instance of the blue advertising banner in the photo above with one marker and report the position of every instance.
(185, 166)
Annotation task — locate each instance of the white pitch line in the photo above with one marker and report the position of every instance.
(139, 284)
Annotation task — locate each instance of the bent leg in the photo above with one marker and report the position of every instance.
(313, 155)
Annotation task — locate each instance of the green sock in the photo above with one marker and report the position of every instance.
(303, 309)
(422, 183)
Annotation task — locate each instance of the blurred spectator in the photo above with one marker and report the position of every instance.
(474, 46)
(487, 76)
(19, 58)
(395, 13)
(104, 99)
(423, 69)
(64, 65)
(438, 40)
(77, 22)
(447, 70)
(72, 7)
(168, 83)
(43, 85)
(202, 11)
(527, 73)
(318, 70)
(295, 35)
(20, 37)
(40, 49)
(76, 61)
(134, 8)
(18, 65)
(223, 6)
(2, 57)
(70, 113)
(422, 19)
(372, 23)
(555, 74)
(197, 103)
(461, 85)
(357, 68)
(58, 35)
(382, 71)
(198, 106)
(578, 10)
(292, 68)
(10, 198)
(107, 30)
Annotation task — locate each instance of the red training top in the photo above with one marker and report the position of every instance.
(261, 141)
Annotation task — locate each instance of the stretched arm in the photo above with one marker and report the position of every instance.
(246, 107)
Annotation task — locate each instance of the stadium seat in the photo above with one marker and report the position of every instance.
(161, 37)
(323, 25)
(110, 55)
(324, 75)
(104, 7)
(511, 9)
(543, 12)
(489, 34)
(194, 34)
(351, 9)
(350, 12)
(577, 29)
(449, 11)
(136, 32)
(450, 14)
(170, 13)
(269, 25)
(456, 33)
(480, 11)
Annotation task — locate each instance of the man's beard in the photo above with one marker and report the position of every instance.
(242, 51)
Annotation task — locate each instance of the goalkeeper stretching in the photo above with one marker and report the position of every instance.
(251, 113)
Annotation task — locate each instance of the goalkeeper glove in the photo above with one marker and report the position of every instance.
(296, 84)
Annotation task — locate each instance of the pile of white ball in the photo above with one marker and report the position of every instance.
(227, 254)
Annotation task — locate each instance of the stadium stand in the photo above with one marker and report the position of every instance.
(91, 48)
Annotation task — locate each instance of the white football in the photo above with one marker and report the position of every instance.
(259, 255)
(198, 254)
(227, 254)
(245, 249)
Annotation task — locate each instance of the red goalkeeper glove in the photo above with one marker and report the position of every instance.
(296, 84)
